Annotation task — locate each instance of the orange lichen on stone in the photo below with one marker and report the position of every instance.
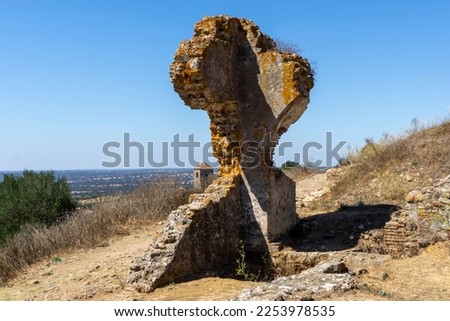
(289, 85)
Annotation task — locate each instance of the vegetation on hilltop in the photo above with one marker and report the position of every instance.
(385, 170)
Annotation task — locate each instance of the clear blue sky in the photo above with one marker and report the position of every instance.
(77, 74)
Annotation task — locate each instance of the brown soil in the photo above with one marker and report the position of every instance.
(423, 277)
(100, 274)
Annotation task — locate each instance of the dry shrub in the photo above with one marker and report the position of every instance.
(89, 227)
(421, 152)
(287, 46)
(375, 161)
(392, 187)
(432, 147)
(155, 201)
(377, 156)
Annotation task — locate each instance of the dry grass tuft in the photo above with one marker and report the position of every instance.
(288, 47)
(387, 169)
(89, 227)
(300, 172)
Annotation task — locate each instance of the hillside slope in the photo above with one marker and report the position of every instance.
(385, 171)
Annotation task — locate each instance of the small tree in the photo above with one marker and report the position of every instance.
(35, 198)
(290, 164)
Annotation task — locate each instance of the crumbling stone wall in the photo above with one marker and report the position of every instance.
(400, 237)
(424, 221)
(268, 207)
(199, 236)
(252, 94)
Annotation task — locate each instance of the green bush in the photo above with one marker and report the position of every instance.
(34, 198)
(290, 164)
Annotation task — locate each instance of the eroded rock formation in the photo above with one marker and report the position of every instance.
(252, 93)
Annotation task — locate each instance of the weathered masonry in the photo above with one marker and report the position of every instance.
(252, 93)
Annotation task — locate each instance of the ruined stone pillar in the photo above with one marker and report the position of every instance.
(252, 93)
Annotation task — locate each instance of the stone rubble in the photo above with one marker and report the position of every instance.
(424, 221)
(311, 284)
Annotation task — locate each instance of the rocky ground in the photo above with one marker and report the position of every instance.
(311, 188)
(339, 255)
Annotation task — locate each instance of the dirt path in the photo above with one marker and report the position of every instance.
(100, 274)
(309, 189)
(312, 188)
(423, 277)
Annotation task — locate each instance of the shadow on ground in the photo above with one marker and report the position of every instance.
(338, 230)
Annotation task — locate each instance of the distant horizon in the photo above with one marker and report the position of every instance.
(118, 169)
(122, 168)
(94, 169)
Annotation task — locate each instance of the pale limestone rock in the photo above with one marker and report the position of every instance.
(315, 283)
